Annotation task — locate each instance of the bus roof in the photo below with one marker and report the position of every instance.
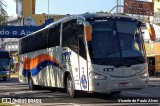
(87, 16)
(84, 17)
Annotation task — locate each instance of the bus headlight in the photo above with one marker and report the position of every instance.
(144, 75)
(97, 76)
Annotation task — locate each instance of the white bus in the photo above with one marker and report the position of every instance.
(92, 53)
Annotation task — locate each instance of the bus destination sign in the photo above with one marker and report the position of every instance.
(139, 7)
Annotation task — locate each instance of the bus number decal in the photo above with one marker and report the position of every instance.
(66, 56)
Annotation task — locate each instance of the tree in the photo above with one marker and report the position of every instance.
(3, 5)
(87, 13)
(3, 12)
(102, 12)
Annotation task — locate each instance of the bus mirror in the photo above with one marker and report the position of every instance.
(151, 32)
(88, 32)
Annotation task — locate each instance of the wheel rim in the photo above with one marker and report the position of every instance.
(69, 87)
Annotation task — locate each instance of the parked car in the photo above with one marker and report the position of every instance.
(4, 73)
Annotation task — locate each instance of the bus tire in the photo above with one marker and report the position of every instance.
(30, 83)
(70, 87)
(4, 78)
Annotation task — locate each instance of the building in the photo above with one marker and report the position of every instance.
(153, 47)
(30, 18)
(156, 17)
(25, 10)
(3, 8)
(3, 14)
(156, 5)
(155, 20)
(11, 44)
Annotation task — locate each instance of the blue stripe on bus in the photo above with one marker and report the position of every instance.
(38, 68)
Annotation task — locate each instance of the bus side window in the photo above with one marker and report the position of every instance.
(69, 36)
(33, 43)
(82, 49)
(54, 36)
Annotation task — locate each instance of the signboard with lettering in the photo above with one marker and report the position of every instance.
(20, 31)
(138, 7)
(16, 31)
(29, 21)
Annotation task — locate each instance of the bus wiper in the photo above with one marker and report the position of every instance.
(135, 58)
(112, 52)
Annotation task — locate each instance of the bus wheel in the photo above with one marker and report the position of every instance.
(4, 78)
(70, 87)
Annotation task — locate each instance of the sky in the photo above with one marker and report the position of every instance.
(66, 6)
(74, 6)
(11, 7)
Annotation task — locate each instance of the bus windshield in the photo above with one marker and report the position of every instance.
(4, 59)
(2, 68)
(116, 42)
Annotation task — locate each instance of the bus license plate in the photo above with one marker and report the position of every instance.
(123, 84)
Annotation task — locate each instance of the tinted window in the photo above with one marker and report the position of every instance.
(69, 35)
(54, 36)
(35, 42)
(82, 50)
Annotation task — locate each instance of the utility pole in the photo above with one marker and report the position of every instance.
(118, 8)
(48, 6)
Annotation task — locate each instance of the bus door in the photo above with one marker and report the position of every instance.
(82, 60)
(73, 54)
(70, 61)
(82, 57)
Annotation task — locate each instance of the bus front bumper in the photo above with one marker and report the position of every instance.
(118, 85)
